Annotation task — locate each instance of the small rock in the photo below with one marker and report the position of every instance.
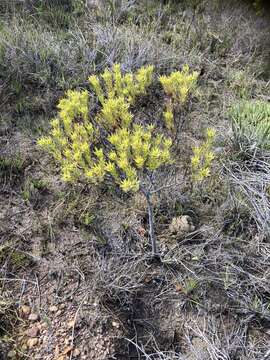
(11, 354)
(25, 309)
(76, 352)
(59, 312)
(39, 325)
(53, 309)
(70, 324)
(62, 306)
(44, 325)
(181, 225)
(33, 317)
(115, 324)
(32, 342)
(33, 332)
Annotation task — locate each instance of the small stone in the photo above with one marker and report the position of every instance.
(62, 306)
(181, 225)
(44, 325)
(70, 324)
(39, 325)
(76, 352)
(53, 308)
(11, 354)
(33, 332)
(58, 313)
(25, 309)
(32, 342)
(33, 317)
(115, 324)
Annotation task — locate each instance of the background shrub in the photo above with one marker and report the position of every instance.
(251, 125)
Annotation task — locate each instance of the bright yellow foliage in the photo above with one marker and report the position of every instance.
(203, 157)
(169, 119)
(115, 112)
(69, 140)
(110, 146)
(177, 86)
(113, 84)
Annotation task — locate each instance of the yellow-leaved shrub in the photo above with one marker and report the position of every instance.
(203, 157)
(106, 144)
(113, 84)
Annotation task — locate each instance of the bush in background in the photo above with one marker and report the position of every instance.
(251, 125)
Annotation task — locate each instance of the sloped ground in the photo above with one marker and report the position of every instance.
(76, 279)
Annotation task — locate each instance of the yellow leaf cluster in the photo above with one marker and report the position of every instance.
(113, 84)
(177, 86)
(203, 157)
(134, 150)
(109, 146)
(71, 135)
(115, 112)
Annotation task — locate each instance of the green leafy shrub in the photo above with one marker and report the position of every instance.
(251, 125)
(109, 146)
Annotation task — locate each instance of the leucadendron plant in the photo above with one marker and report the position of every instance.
(177, 87)
(110, 146)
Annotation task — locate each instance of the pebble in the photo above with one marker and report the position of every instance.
(33, 332)
(32, 342)
(53, 308)
(25, 309)
(115, 324)
(33, 317)
(45, 326)
(70, 324)
(76, 352)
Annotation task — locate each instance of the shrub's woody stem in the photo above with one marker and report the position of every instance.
(151, 221)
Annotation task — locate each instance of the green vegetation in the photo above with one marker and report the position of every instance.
(251, 125)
